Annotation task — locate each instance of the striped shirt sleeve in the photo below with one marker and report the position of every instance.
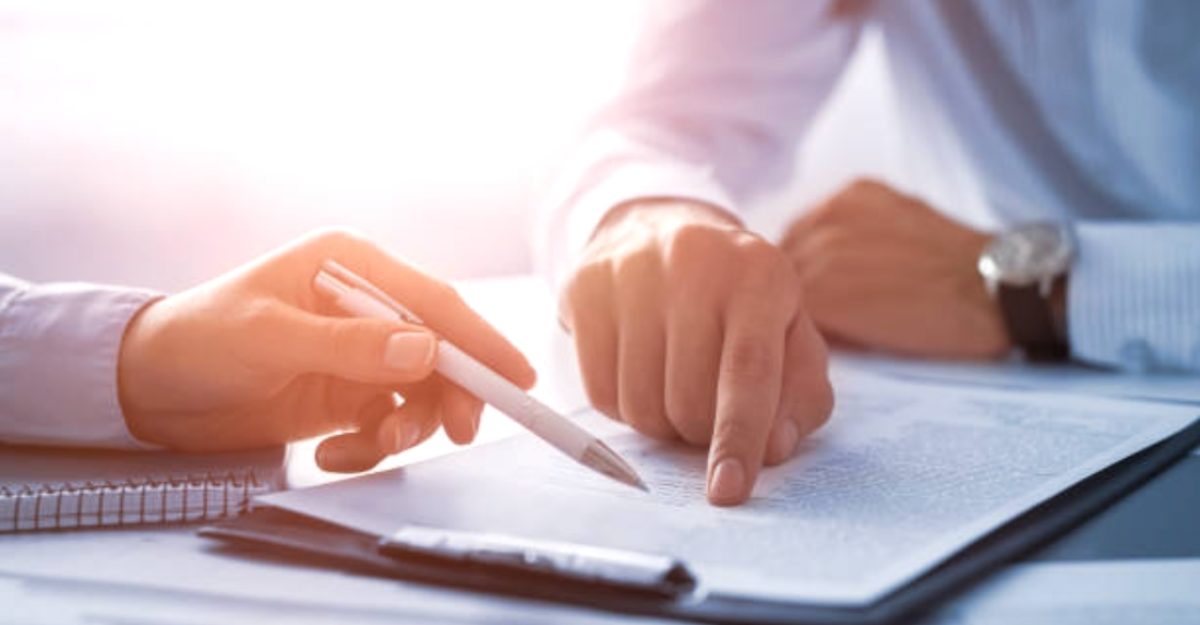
(1133, 299)
(59, 345)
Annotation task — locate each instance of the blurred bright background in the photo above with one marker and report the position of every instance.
(160, 143)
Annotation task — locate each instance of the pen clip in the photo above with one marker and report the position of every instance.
(627, 570)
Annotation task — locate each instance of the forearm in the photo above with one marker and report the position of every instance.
(59, 345)
(1133, 297)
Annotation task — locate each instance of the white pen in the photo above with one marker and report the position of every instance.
(356, 296)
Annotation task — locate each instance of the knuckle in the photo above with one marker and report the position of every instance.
(773, 283)
(692, 417)
(636, 266)
(748, 360)
(691, 243)
(644, 411)
(258, 317)
(342, 340)
(734, 434)
(601, 393)
(586, 281)
(821, 404)
(637, 407)
(603, 403)
(762, 264)
(753, 247)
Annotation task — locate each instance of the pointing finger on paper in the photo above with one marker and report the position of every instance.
(682, 319)
(747, 398)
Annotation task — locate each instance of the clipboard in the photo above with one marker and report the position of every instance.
(651, 585)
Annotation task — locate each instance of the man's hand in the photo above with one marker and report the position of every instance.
(688, 326)
(884, 270)
(256, 358)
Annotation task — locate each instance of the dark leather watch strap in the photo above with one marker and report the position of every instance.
(1031, 323)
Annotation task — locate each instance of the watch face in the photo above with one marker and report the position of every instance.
(1027, 255)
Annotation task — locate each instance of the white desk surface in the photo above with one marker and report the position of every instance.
(170, 575)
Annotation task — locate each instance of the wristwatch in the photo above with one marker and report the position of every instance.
(1021, 269)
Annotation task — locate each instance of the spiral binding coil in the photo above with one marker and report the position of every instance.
(177, 499)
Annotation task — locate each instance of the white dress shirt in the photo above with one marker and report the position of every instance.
(1077, 111)
(58, 362)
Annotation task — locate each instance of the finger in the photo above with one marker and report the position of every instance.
(412, 423)
(312, 405)
(589, 313)
(801, 228)
(437, 304)
(399, 429)
(350, 452)
(357, 450)
(364, 350)
(641, 359)
(806, 398)
(460, 412)
(747, 396)
(692, 365)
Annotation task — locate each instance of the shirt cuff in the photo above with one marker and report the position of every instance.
(59, 345)
(1133, 297)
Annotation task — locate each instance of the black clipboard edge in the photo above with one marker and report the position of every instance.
(328, 544)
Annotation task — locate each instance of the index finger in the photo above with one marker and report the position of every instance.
(748, 389)
(439, 306)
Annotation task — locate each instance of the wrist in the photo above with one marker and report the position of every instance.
(1025, 269)
(133, 363)
(991, 334)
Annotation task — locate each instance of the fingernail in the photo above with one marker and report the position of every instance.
(398, 438)
(409, 350)
(407, 435)
(324, 457)
(784, 438)
(728, 482)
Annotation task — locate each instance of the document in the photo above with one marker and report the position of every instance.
(905, 475)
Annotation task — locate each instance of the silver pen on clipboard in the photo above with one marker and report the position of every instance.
(358, 297)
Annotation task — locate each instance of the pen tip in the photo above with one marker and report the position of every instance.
(603, 459)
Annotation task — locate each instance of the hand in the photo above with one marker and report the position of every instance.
(688, 326)
(884, 270)
(256, 358)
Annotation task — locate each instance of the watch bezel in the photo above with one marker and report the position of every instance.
(999, 270)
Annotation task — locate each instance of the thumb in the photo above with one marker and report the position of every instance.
(374, 351)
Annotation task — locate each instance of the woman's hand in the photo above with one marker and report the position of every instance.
(256, 357)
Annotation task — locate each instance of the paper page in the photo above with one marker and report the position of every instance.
(905, 475)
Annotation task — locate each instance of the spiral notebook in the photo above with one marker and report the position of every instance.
(54, 489)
